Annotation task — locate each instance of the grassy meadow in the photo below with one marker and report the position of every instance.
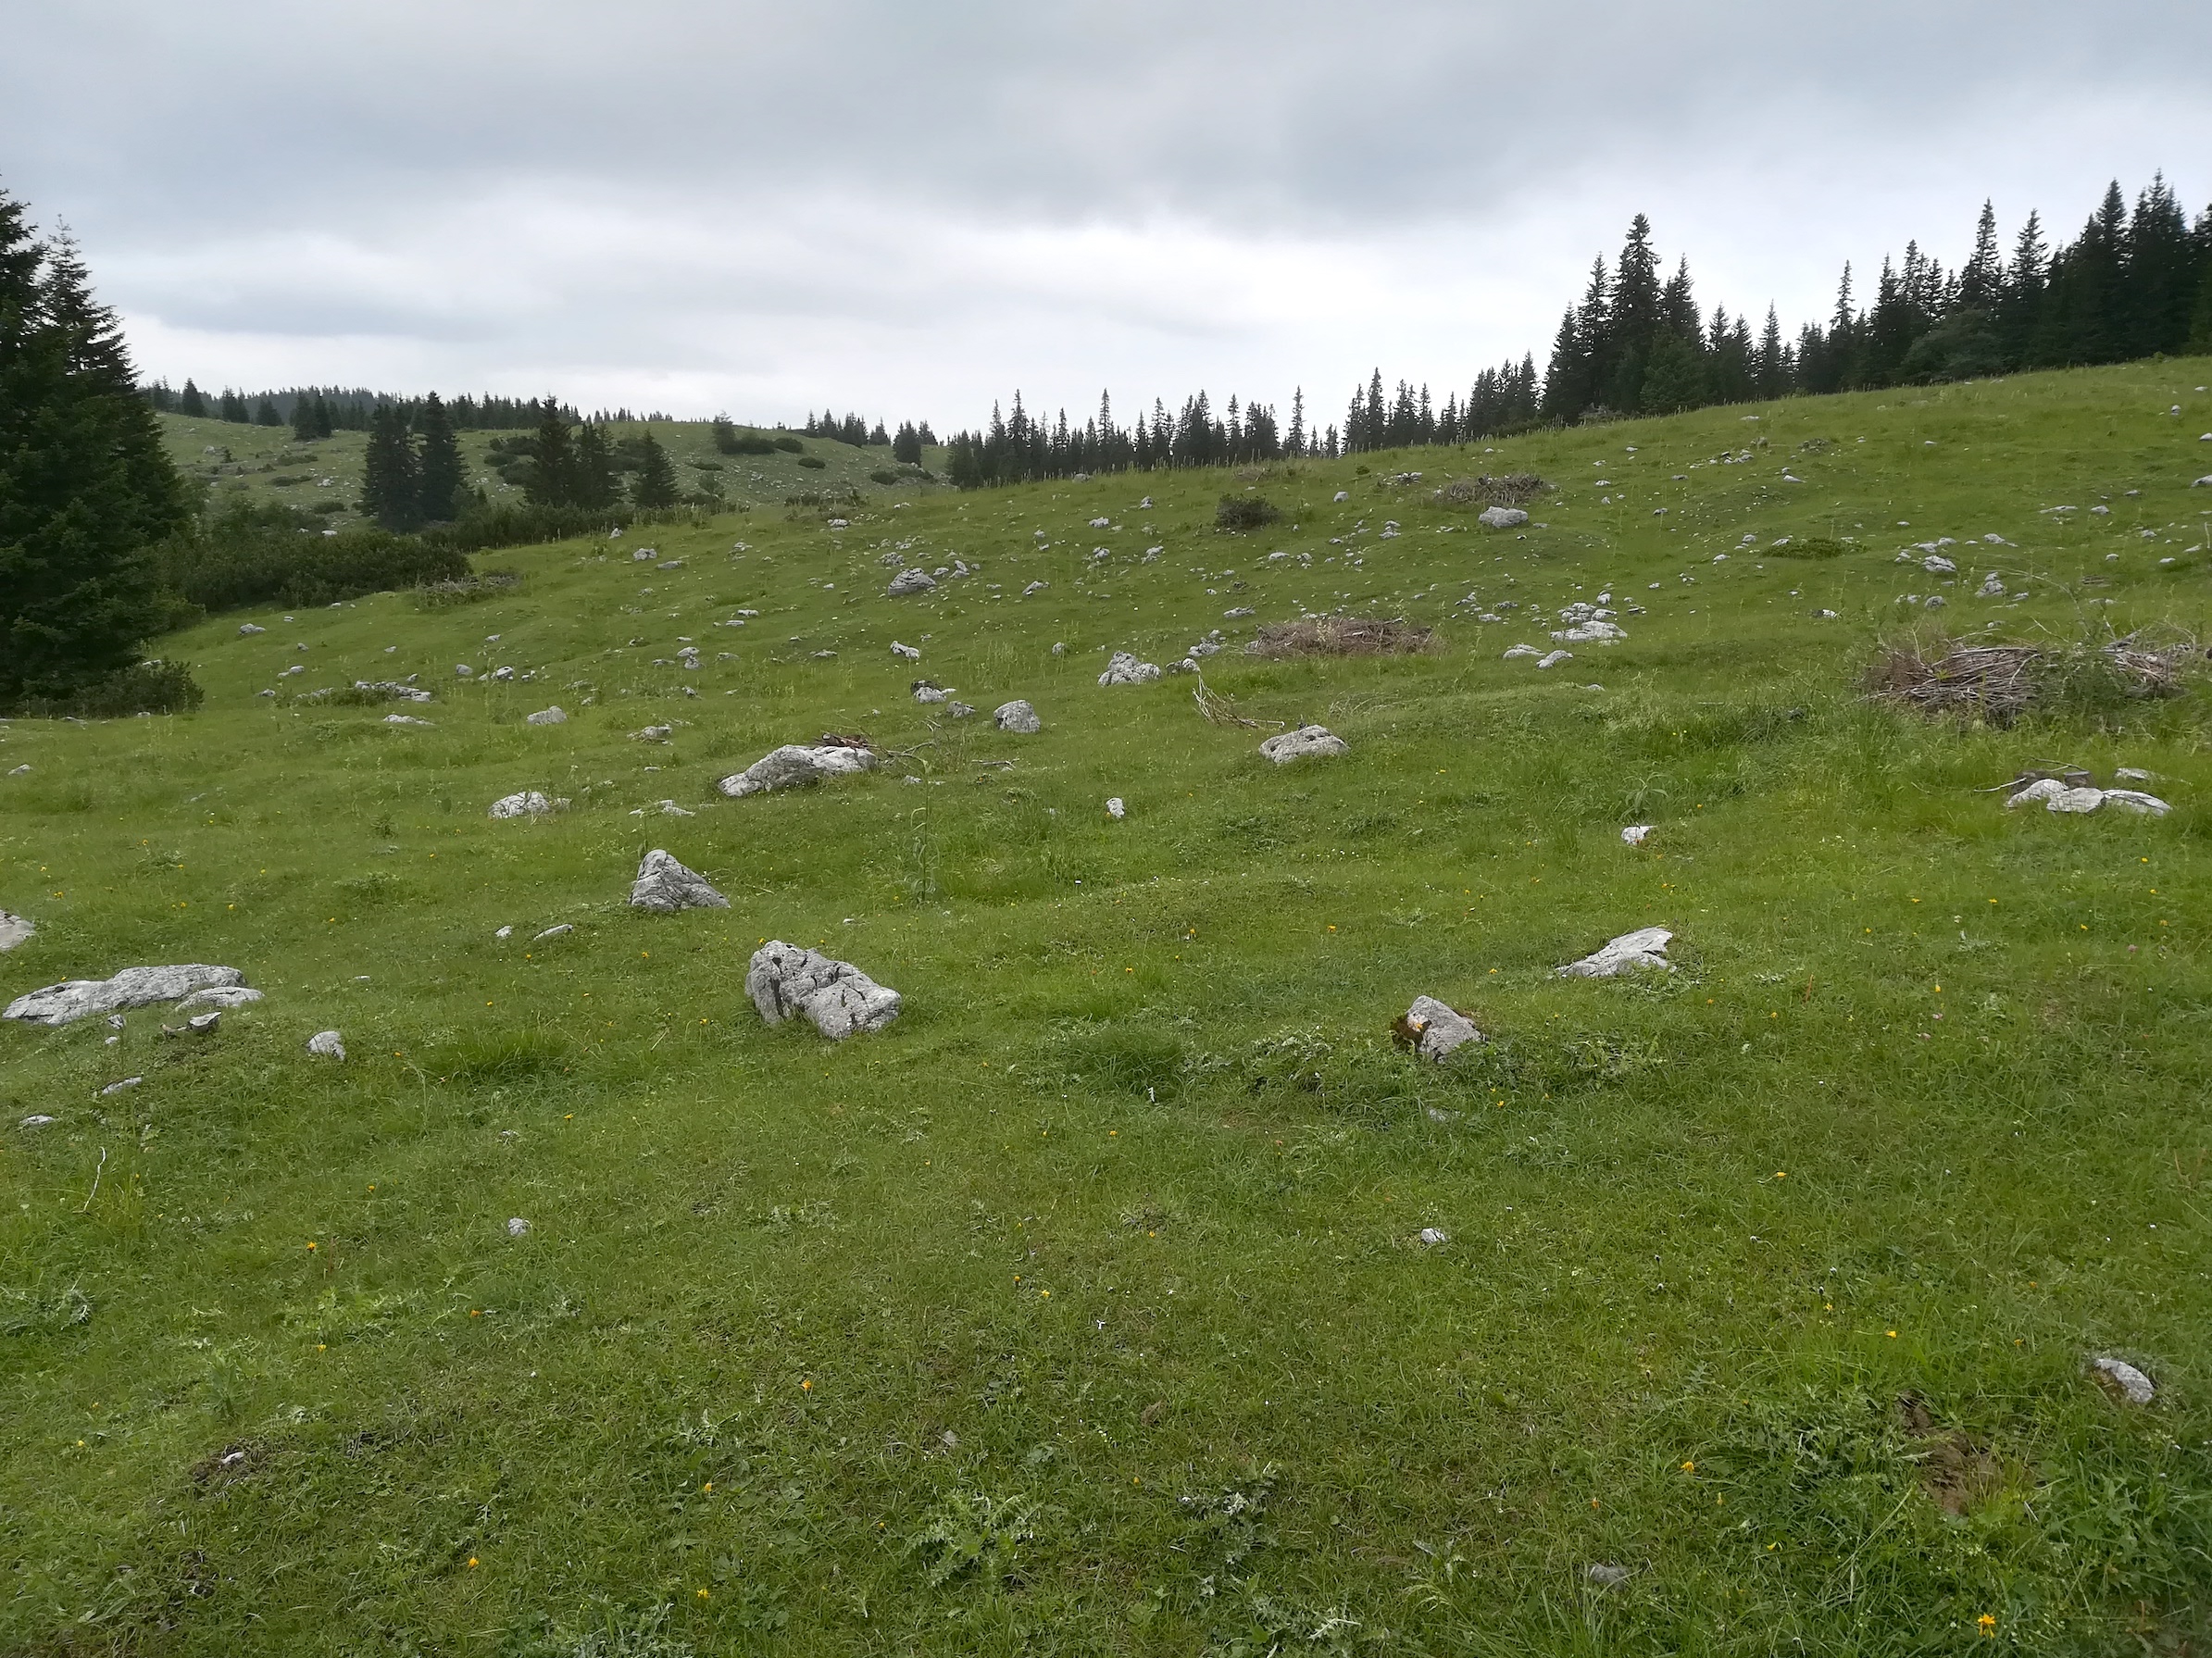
(233, 460)
(1086, 1309)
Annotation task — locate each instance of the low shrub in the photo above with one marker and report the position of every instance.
(1811, 546)
(1245, 512)
(1343, 636)
(814, 462)
(789, 445)
(466, 589)
(153, 687)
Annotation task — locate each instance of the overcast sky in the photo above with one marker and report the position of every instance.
(909, 210)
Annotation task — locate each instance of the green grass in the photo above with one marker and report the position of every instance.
(230, 459)
(1083, 1310)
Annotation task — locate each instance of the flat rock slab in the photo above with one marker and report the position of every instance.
(1435, 1029)
(329, 1044)
(664, 886)
(1019, 717)
(786, 981)
(554, 715)
(76, 999)
(1646, 947)
(529, 802)
(1307, 742)
(910, 581)
(1124, 669)
(796, 765)
(14, 930)
(223, 998)
(1503, 517)
(2123, 1380)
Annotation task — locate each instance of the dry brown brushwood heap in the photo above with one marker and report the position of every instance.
(1514, 489)
(2001, 682)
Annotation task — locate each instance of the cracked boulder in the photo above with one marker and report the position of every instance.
(1307, 742)
(1019, 717)
(14, 930)
(76, 999)
(664, 886)
(797, 765)
(1124, 669)
(1646, 947)
(786, 981)
(1433, 1030)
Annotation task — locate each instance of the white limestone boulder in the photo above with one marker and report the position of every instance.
(1306, 743)
(786, 981)
(1019, 717)
(1646, 947)
(327, 1045)
(1433, 1030)
(797, 765)
(1125, 669)
(14, 930)
(527, 803)
(665, 886)
(1501, 518)
(76, 999)
(910, 581)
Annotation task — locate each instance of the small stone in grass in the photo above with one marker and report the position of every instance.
(327, 1044)
(1114, 809)
(518, 1227)
(1433, 1236)
(1635, 834)
(553, 932)
(2123, 1380)
(1606, 1576)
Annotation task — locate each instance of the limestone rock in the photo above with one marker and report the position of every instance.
(2036, 792)
(223, 998)
(905, 653)
(518, 1227)
(134, 987)
(327, 1044)
(1501, 518)
(1554, 659)
(1019, 717)
(665, 886)
(1116, 808)
(1434, 1237)
(1306, 741)
(2124, 1380)
(406, 719)
(1635, 834)
(554, 715)
(1433, 1030)
(1519, 652)
(2074, 800)
(1124, 669)
(796, 765)
(652, 735)
(960, 710)
(2128, 800)
(248, 628)
(910, 581)
(1646, 947)
(785, 982)
(529, 802)
(14, 930)
(559, 931)
(1604, 1575)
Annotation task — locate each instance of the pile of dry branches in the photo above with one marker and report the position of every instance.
(1343, 636)
(1999, 682)
(1514, 489)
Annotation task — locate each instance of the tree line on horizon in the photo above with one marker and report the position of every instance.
(2130, 285)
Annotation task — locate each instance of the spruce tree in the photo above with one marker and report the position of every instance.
(303, 417)
(190, 401)
(592, 484)
(438, 464)
(552, 481)
(85, 484)
(265, 414)
(231, 407)
(390, 474)
(655, 489)
(907, 446)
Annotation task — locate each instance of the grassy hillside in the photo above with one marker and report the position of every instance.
(264, 463)
(1086, 1309)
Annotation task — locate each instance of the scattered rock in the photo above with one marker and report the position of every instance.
(910, 581)
(223, 997)
(1635, 834)
(559, 931)
(1304, 743)
(2135, 800)
(652, 735)
(2035, 790)
(37, 1121)
(1521, 651)
(1501, 518)
(929, 690)
(1018, 717)
(2123, 1382)
(503, 673)
(1124, 669)
(667, 808)
(2134, 774)
(960, 710)
(665, 886)
(905, 653)
(1935, 563)
(1115, 808)
(518, 1227)
(134, 987)
(1433, 1237)
(554, 716)
(1606, 1576)
(1646, 947)
(1555, 658)
(245, 629)
(1344, 494)
(505, 932)
(14, 930)
(1433, 1030)
(2074, 800)
(327, 1044)
(797, 765)
(116, 1088)
(528, 803)
(785, 980)
(406, 719)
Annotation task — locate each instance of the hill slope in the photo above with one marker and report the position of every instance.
(1088, 1307)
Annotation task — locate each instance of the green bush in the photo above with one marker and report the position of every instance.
(253, 556)
(791, 446)
(813, 461)
(1245, 512)
(156, 687)
(1811, 546)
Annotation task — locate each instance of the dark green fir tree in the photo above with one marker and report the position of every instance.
(85, 485)
(655, 489)
(190, 401)
(391, 473)
(265, 414)
(594, 485)
(438, 492)
(552, 481)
